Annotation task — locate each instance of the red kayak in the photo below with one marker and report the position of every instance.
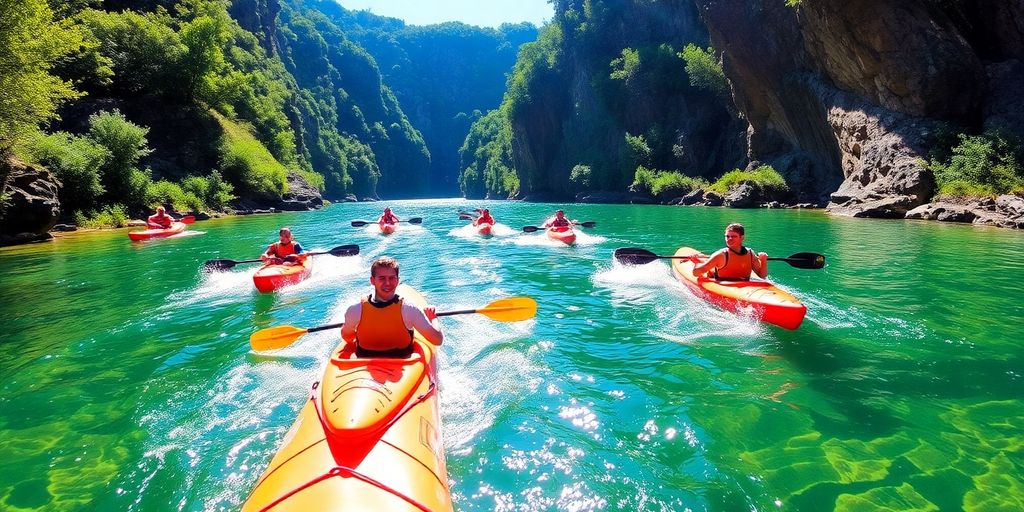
(484, 229)
(387, 228)
(564, 234)
(768, 303)
(176, 227)
(272, 277)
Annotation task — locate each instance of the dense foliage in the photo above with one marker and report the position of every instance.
(988, 164)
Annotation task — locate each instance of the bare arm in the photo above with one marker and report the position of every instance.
(348, 330)
(716, 260)
(760, 265)
(425, 321)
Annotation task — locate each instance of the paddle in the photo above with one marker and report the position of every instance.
(341, 250)
(511, 309)
(466, 216)
(361, 223)
(588, 224)
(637, 256)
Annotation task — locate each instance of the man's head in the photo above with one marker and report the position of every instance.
(734, 234)
(384, 277)
(560, 214)
(486, 211)
(160, 210)
(387, 209)
(286, 235)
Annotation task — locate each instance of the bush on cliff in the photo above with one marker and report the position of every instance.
(980, 165)
(765, 177)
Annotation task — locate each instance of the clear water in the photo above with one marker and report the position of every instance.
(127, 382)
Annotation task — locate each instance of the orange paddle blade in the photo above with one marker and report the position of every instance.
(512, 309)
(273, 338)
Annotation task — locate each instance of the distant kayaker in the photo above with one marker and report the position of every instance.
(733, 263)
(484, 218)
(558, 221)
(388, 217)
(382, 323)
(159, 220)
(284, 251)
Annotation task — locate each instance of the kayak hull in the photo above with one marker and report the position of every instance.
(768, 303)
(368, 438)
(176, 227)
(484, 229)
(387, 229)
(566, 235)
(272, 277)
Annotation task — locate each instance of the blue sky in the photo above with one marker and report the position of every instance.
(484, 13)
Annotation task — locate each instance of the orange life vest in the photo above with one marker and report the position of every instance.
(280, 250)
(736, 268)
(381, 326)
(483, 220)
(560, 223)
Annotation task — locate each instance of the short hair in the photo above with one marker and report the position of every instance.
(735, 227)
(160, 209)
(384, 262)
(283, 230)
(559, 211)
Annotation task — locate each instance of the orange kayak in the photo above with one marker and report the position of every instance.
(368, 438)
(387, 228)
(769, 303)
(176, 227)
(272, 277)
(565, 235)
(484, 229)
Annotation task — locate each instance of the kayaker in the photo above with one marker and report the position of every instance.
(382, 323)
(484, 217)
(558, 221)
(283, 252)
(159, 220)
(388, 217)
(733, 263)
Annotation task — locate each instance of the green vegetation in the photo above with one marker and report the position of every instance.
(704, 70)
(248, 164)
(30, 43)
(764, 177)
(114, 216)
(487, 159)
(665, 184)
(980, 165)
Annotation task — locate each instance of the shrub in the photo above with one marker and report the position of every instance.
(115, 216)
(704, 70)
(643, 180)
(675, 184)
(126, 141)
(981, 165)
(168, 193)
(214, 191)
(765, 177)
(247, 164)
(580, 176)
(76, 161)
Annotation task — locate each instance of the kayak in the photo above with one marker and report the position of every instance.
(565, 235)
(176, 227)
(387, 228)
(484, 229)
(368, 438)
(272, 277)
(769, 303)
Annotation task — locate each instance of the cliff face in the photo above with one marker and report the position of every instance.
(846, 96)
(613, 71)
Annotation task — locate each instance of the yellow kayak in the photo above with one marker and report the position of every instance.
(369, 438)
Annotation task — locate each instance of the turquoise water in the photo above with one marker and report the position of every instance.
(127, 382)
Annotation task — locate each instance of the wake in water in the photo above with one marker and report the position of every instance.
(541, 239)
(469, 232)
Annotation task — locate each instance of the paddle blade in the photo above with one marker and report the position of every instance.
(634, 256)
(344, 250)
(415, 220)
(359, 223)
(274, 338)
(530, 229)
(214, 265)
(512, 309)
(465, 216)
(188, 219)
(588, 224)
(806, 260)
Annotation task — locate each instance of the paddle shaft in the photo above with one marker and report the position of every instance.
(705, 257)
(443, 313)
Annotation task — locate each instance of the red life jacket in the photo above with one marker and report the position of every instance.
(280, 250)
(160, 220)
(381, 326)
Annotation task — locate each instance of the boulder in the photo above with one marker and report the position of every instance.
(30, 194)
(301, 195)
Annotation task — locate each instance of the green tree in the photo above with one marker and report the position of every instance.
(704, 70)
(76, 161)
(124, 182)
(142, 49)
(203, 38)
(30, 42)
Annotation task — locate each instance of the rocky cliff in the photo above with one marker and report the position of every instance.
(845, 98)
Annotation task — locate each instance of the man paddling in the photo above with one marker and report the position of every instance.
(733, 263)
(286, 251)
(484, 218)
(382, 323)
(159, 220)
(388, 217)
(558, 221)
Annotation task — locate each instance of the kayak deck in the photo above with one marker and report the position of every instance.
(768, 302)
(271, 277)
(176, 227)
